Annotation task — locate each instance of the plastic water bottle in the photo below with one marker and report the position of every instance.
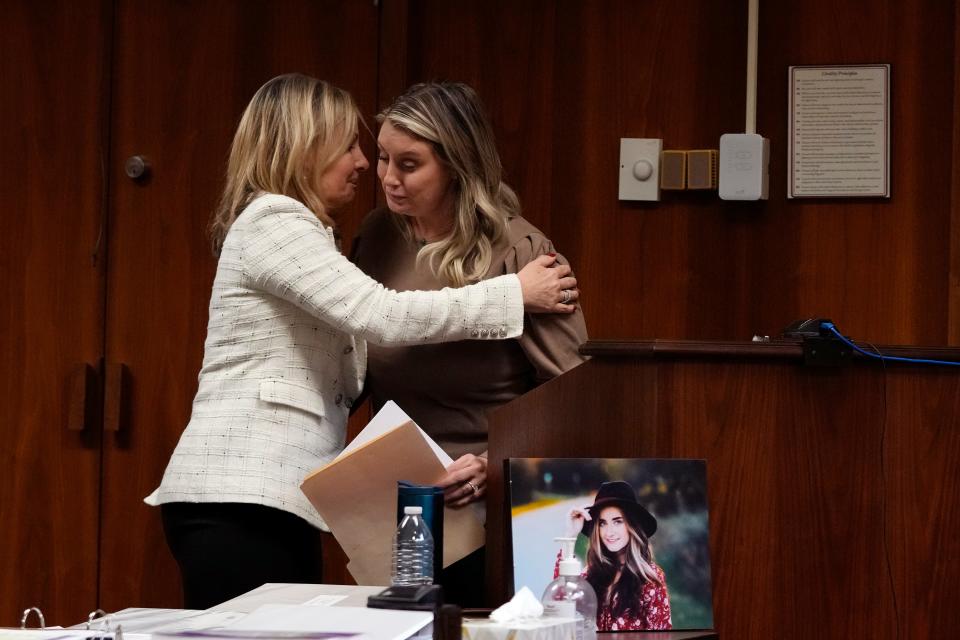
(571, 596)
(412, 550)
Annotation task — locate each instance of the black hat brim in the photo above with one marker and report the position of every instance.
(636, 512)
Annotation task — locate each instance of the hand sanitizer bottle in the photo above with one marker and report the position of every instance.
(570, 595)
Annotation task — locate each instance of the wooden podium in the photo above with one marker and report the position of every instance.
(834, 492)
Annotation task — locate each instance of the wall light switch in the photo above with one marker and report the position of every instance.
(640, 168)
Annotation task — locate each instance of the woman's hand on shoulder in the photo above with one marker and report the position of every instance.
(548, 286)
(575, 521)
(465, 481)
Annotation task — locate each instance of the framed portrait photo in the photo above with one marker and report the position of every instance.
(642, 535)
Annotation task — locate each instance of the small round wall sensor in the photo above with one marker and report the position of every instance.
(642, 170)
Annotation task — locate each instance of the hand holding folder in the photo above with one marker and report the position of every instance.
(356, 494)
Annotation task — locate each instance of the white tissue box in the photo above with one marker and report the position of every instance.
(528, 629)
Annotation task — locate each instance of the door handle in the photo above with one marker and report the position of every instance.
(82, 400)
(137, 168)
(117, 377)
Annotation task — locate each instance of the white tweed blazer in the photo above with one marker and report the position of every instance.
(285, 355)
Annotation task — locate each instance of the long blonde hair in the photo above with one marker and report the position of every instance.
(292, 130)
(450, 117)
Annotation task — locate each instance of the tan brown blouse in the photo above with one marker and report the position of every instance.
(448, 388)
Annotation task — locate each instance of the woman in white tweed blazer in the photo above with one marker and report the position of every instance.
(284, 357)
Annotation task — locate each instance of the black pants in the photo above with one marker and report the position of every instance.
(226, 549)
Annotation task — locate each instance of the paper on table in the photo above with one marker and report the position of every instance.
(286, 593)
(41, 634)
(374, 624)
(63, 634)
(244, 634)
(151, 620)
(324, 601)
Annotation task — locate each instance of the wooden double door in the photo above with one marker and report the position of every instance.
(105, 278)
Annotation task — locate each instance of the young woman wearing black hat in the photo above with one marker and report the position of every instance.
(631, 588)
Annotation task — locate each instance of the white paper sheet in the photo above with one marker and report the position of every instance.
(150, 620)
(58, 633)
(372, 624)
(389, 417)
(286, 593)
(324, 601)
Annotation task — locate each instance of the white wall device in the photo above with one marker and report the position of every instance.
(640, 168)
(744, 158)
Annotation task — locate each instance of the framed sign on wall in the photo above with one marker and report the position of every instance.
(839, 131)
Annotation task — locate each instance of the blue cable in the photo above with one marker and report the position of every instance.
(829, 326)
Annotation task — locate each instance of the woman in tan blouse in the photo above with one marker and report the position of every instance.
(451, 220)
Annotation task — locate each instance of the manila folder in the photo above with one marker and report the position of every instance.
(356, 495)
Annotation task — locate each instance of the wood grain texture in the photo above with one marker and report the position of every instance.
(878, 268)
(953, 318)
(832, 492)
(563, 82)
(921, 453)
(182, 75)
(52, 72)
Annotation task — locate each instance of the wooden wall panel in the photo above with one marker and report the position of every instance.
(564, 81)
(953, 317)
(833, 504)
(919, 455)
(53, 61)
(878, 268)
(183, 73)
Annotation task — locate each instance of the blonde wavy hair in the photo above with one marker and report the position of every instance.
(450, 117)
(292, 130)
